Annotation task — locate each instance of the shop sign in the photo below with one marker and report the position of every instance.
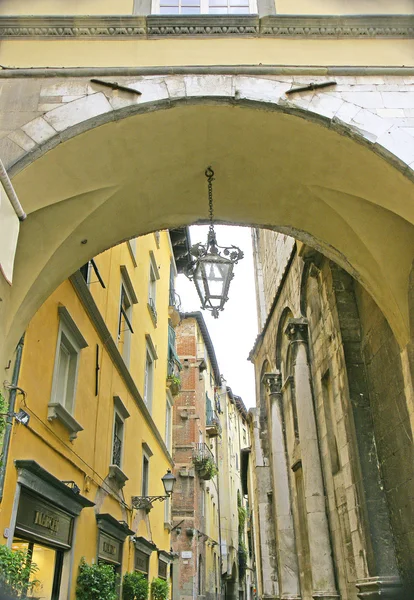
(141, 561)
(109, 549)
(43, 520)
(162, 569)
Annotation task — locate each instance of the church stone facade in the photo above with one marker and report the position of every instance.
(332, 437)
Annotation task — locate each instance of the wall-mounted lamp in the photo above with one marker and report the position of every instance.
(146, 502)
(21, 417)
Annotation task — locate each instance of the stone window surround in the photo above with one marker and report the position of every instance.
(109, 525)
(121, 411)
(144, 545)
(56, 410)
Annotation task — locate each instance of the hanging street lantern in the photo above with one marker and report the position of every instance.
(212, 270)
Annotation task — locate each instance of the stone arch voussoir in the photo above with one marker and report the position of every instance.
(79, 105)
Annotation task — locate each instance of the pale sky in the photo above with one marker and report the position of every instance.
(234, 332)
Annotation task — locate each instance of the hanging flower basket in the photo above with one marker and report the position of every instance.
(174, 383)
(205, 467)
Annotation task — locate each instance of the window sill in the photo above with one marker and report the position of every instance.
(117, 475)
(59, 412)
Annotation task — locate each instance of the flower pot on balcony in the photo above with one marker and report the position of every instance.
(174, 383)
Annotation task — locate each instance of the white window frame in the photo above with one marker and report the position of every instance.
(150, 358)
(127, 289)
(204, 9)
(132, 247)
(71, 339)
(153, 277)
(168, 421)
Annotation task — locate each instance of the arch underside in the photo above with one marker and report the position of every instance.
(273, 169)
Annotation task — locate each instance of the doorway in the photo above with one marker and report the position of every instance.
(49, 563)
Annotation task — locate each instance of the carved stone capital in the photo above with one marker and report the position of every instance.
(297, 330)
(273, 382)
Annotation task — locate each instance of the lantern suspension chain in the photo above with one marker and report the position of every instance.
(209, 173)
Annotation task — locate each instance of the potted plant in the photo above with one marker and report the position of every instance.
(159, 589)
(174, 383)
(206, 468)
(96, 582)
(16, 571)
(135, 586)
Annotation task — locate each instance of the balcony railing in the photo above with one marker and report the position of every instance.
(202, 451)
(117, 451)
(213, 425)
(175, 299)
(204, 462)
(152, 309)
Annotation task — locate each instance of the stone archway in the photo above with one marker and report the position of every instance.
(107, 166)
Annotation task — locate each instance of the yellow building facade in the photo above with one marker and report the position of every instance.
(93, 382)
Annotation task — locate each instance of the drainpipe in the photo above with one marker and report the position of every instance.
(11, 194)
(9, 419)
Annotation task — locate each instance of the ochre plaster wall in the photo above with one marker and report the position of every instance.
(86, 460)
(215, 51)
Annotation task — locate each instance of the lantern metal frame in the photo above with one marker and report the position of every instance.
(210, 255)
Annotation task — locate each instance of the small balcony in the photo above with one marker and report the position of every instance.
(213, 425)
(204, 462)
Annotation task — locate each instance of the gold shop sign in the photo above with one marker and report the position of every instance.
(46, 520)
(41, 520)
(109, 549)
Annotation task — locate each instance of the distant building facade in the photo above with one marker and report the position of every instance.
(209, 534)
(332, 439)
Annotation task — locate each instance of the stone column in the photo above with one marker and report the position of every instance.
(289, 586)
(267, 569)
(323, 580)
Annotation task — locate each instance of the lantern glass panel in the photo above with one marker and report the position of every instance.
(212, 279)
(168, 480)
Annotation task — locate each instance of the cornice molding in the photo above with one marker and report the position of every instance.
(278, 26)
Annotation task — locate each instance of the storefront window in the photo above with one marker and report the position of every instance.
(49, 569)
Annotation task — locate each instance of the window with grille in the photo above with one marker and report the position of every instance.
(118, 441)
